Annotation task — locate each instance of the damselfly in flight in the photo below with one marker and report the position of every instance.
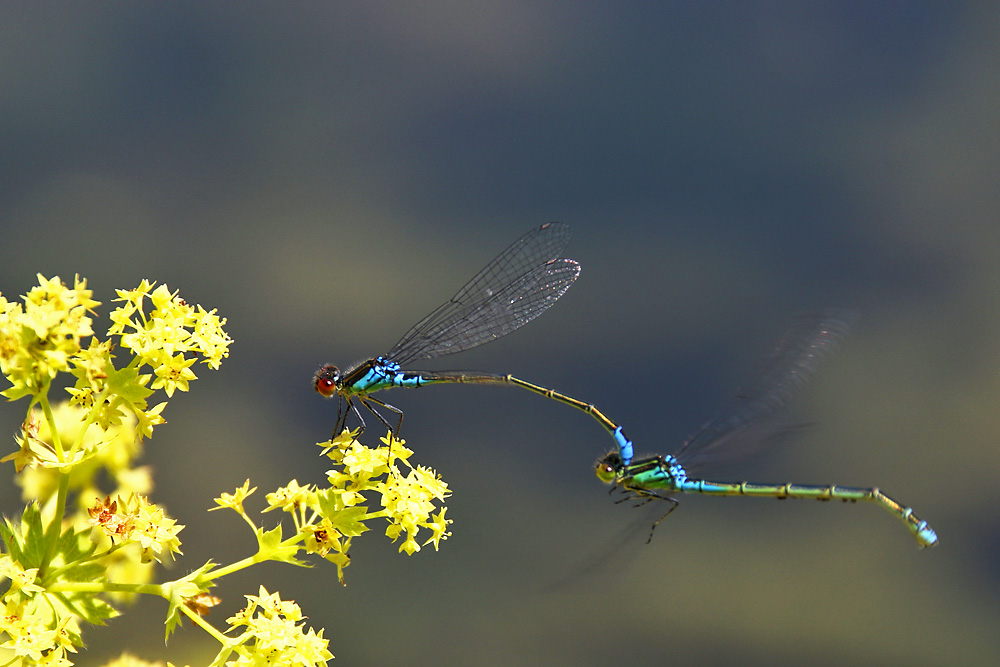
(741, 425)
(520, 284)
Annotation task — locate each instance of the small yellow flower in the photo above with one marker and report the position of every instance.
(396, 449)
(209, 338)
(29, 635)
(174, 373)
(362, 461)
(149, 418)
(323, 538)
(54, 658)
(290, 497)
(335, 448)
(438, 526)
(20, 578)
(155, 532)
(234, 500)
(133, 298)
(271, 604)
(68, 633)
(92, 365)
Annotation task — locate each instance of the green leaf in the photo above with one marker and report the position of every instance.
(349, 521)
(11, 539)
(125, 384)
(26, 540)
(330, 502)
(88, 606)
(181, 589)
(269, 541)
(72, 562)
(270, 547)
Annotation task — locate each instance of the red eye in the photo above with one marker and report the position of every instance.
(325, 380)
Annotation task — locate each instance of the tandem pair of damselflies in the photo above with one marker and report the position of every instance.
(523, 282)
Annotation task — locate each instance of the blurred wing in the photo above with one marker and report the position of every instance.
(520, 284)
(740, 428)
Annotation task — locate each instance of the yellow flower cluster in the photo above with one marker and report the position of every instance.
(38, 339)
(407, 502)
(45, 337)
(61, 570)
(134, 519)
(327, 519)
(41, 625)
(162, 338)
(67, 554)
(35, 634)
(274, 634)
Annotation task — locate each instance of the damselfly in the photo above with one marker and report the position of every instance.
(741, 427)
(520, 284)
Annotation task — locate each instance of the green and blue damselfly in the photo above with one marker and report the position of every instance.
(741, 427)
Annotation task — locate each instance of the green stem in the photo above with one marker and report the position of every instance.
(207, 627)
(90, 418)
(107, 587)
(43, 400)
(235, 567)
(55, 526)
(259, 557)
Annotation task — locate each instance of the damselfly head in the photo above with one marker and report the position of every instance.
(326, 380)
(607, 468)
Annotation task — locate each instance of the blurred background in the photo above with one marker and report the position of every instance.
(326, 174)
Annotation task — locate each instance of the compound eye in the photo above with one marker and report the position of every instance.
(606, 468)
(326, 379)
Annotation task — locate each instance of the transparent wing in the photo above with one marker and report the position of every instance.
(740, 427)
(520, 284)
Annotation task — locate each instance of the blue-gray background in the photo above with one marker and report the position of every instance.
(325, 174)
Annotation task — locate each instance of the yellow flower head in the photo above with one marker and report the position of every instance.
(234, 500)
(408, 503)
(165, 336)
(135, 519)
(38, 339)
(274, 636)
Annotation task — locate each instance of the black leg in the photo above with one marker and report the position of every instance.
(368, 400)
(393, 433)
(343, 413)
(673, 506)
